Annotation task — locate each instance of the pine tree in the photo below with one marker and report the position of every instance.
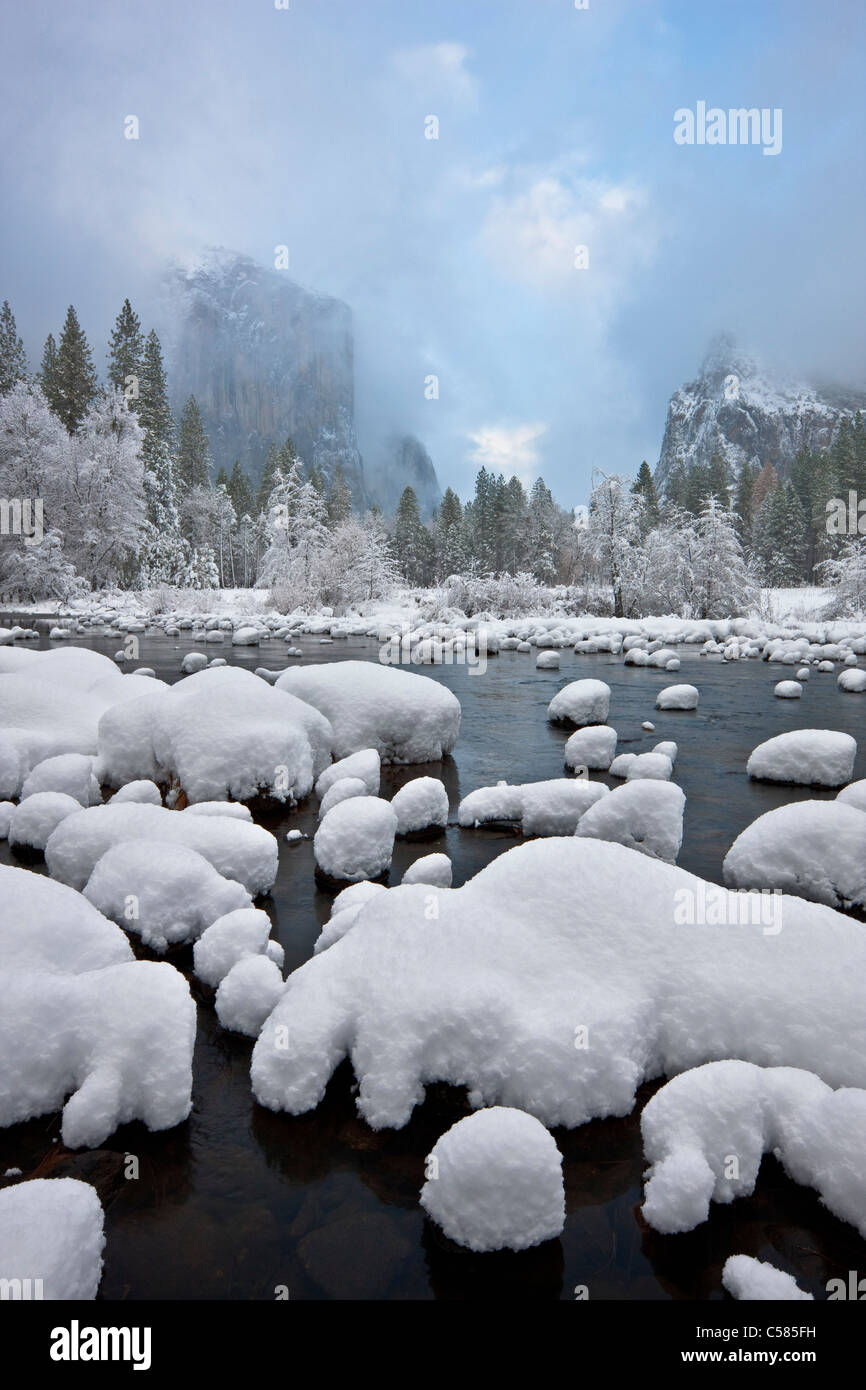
(74, 379)
(166, 553)
(645, 487)
(718, 481)
(780, 537)
(697, 488)
(125, 353)
(240, 491)
(193, 451)
(542, 524)
(411, 551)
(514, 524)
(450, 547)
(315, 477)
(676, 487)
(46, 377)
(13, 358)
(744, 503)
(338, 498)
(766, 481)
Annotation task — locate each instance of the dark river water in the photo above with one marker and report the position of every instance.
(239, 1202)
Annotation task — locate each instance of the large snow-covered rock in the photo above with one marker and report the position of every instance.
(557, 980)
(806, 757)
(637, 767)
(244, 932)
(593, 748)
(355, 840)
(51, 1235)
(70, 773)
(46, 926)
(165, 905)
(757, 1281)
(645, 815)
(854, 794)
(365, 765)
(678, 697)
(33, 821)
(434, 869)
(248, 993)
(421, 804)
(407, 718)
(552, 807)
(815, 849)
(853, 680)
(342, 790)
(220, 733)
(693, 1125)
(495, 1182)
(237, 849)
(580, 702)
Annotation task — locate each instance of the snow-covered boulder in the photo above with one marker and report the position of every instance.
(51, 1238)
(70, 773)
(854, 795)
(495, 1182)
(580, 702)
(788, 690)
(551, 807)
(678, 697)
(248, 994)
(596, 988)
(593, 748)
(46, 926)
(166, 906)
(693, 1125)
(142, 791)
(235, 810)
(635, 767)
(814, 849)
(406, 717)
(33, 821)
(805, 757)
(192, 662)
(643, 815)
(853, 680)
(421, 804)
(220, 733)
(757, 1281)
(547, 661)
(355, 840)
(241, 933)
(235, 848)
(366, 765)
(342, 790)
(434, 869)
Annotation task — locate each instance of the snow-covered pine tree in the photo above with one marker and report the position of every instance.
(125, 353)
(613, 536)
(723, 582)
(449, 537)
(240, 491)
(13, 358)
(338, 498)
(779, 537)
(103, 508)
(542, 532)
(193, 464)
(845, 575)
(72, 385)
(165, 554)
(646, 488)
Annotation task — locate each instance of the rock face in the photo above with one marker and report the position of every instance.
(739, 409)
(404, 463)
(265, 359)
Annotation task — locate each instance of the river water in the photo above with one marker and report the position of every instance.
(239, 1202)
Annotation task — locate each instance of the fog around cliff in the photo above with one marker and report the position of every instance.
(306, 128)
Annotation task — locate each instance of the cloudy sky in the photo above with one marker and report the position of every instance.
(307, 127)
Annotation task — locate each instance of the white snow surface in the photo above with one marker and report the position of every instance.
(47, 926)
(498, 1182)
(551, 807)
(143, 791)
(248, 994)
(51, 1229)
(342, 790)
(491, 993)
(241, 933)
(757, 1281)
(805, 757)
(434, 869)
(420, 804)
(644, 815)
(678, 697)
(71, 773)
(692, 1126)
(593, 748)
(365, 765)
(815, 849)
(854, 794)
(235, 848)
(355, 840)
(581, 702)
(33, 821)
(406, 717)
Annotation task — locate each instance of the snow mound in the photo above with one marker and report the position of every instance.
(355, 840)
(51, 1230)
(365, 764)
(235, 810)
(342, 790)
(244, 932)
(853, 680)
(534, 988)
(144, 792)
(495, 1182)
(47, 926)
(814, 849)
(547, 661)
(758, 1281)
(699, 1121)
(117, 1041)
(33, 821)
(580, 702)
(406, 717)
(636, 767)
(643, 815)
(593, 748)
(854, 795)
(248, 994)
(788, 690)
(174, 905)
(434, 869)
(421, 804)
(552, 807)
(235, 848)
(70, 773)
(806, 757)
(678, 697)
(220, 733)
